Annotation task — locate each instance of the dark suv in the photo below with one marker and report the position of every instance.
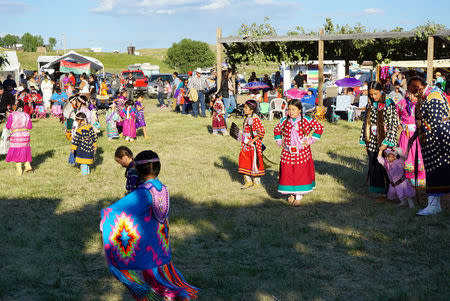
(152, 88)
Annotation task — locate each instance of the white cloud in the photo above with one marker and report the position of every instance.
(104, 6)
(215, 4)
(373, 11)
(165, 11)
(13, 7)
(264, 2)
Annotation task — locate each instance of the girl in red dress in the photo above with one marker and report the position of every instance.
(250, 157)
(295, 134)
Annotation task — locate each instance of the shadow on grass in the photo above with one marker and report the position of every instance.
(231, 167)
(323, 250)
(210, 129)
(98, 160)
(41, 158)
(353, 180)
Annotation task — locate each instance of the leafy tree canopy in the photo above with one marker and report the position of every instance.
(375, 50)
(188, 55)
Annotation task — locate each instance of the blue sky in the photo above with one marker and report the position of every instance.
(114, 24)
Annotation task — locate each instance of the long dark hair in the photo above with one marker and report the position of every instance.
(253, 105)
(374, 85)
(418, 112)
(299, 105)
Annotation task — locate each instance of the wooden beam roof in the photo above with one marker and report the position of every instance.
(331, 37)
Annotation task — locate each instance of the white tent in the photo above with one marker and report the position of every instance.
(73, 56)
(11, 65)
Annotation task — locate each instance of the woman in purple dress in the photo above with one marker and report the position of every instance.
(19, 151)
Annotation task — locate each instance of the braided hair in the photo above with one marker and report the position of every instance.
(253, 105)
(374, 85)
(299, 105)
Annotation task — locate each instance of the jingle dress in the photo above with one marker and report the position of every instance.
(19, 123)
(251, 156)
(218, 120)
(297, 174)
(137, 244)
(435, 113)
(84, 142)
(405, 111)
(377, 175)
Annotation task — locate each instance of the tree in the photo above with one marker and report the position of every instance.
(51, 43)
(375, 50)
(10, 40)
(30, 42)
(188, 55)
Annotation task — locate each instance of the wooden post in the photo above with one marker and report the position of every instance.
(219, 58)
(430, 57)
(321, 54)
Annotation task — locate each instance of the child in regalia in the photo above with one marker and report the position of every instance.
(124, 156)
(84, 143)
(218, 118)
(295, 134)
(128, 115)
(140, 118)
(137, 242)
(251, 156)
(399, 186)
(112, 117)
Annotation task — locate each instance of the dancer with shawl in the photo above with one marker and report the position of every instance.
(295, 134)
(137, 242)
(379, 131)
(405, 110)
(433, 116)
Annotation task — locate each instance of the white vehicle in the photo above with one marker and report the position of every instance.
(146, 68)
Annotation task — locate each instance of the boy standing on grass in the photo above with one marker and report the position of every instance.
(84, 143)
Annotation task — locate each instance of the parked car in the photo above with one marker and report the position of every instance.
(152, 87)
(141, 80)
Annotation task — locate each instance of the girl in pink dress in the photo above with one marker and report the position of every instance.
(19, 151)
(399, 187)
(405, 110)
(128, 115)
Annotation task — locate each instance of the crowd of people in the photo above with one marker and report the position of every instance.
(142, 260)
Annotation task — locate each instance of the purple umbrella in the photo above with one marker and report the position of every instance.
(255, 86)
(348, 82)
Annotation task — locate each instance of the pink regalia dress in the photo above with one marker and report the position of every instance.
(19, 123)
(405, 110)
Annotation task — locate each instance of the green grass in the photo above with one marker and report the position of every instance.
(233, 244)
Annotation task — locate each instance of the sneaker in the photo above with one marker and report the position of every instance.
(215, 133)
(225, 133)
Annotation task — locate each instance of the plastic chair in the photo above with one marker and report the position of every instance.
(277, 105)
(264, 109)
(40, 112)
(56, 111)
(344, 104)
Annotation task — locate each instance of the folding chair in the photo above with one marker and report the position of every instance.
(344, 104)
(264, 109)
(278, 105)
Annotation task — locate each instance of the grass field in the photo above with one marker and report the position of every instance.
(233, 244)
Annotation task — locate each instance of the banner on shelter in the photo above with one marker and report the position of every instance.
(313, 75)
(67, 67)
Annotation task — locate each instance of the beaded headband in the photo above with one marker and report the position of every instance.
(146, 161)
